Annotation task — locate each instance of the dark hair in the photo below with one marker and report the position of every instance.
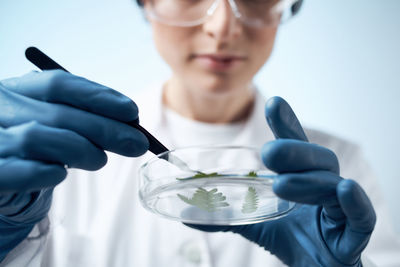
(295, 7)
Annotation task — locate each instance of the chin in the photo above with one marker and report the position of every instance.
(218, 86)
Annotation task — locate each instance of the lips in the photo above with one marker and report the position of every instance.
(220, 57)
(219, 62)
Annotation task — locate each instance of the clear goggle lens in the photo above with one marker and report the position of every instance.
(187, 13)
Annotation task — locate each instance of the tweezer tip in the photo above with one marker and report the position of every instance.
(30, 50)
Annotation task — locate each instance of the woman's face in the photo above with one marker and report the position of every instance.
(220, 56)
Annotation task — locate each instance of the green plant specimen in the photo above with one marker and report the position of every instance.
(252, 174)
(250, 201)
(202, 175)
(206, 200)
(205, 175)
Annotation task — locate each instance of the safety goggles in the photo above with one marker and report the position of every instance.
(254, 13)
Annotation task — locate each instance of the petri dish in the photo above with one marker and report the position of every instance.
(211, 185)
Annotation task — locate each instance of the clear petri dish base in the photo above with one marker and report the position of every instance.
(228, 200)
(218, 185)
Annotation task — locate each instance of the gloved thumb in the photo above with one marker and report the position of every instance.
(282, 120)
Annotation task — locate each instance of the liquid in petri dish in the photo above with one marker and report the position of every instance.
(218, 200)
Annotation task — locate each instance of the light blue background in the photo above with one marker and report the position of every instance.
(337, 63)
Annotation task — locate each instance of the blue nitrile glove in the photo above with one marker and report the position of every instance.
(335, 223)
(48, 120)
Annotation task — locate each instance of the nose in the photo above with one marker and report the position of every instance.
(222, 23)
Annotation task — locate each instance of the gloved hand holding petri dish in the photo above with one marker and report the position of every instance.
(220, 185)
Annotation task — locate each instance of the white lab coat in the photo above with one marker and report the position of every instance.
(96, 218)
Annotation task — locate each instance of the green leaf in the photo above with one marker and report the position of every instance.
(205, 175)
(250, 204)
(252, 174)
(206, 200)
(202, 175)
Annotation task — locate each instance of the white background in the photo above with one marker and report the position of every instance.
(337, 63)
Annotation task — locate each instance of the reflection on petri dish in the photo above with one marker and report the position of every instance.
(219, 185)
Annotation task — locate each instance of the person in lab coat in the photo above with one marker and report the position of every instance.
(69, 160)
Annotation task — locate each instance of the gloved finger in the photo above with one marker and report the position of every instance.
(18, 175)
(282, 120)
(58, 86)
(39, 142)
(359, 222)
(106, 133)
(357, 207)
(313, 187)
(288, 155)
